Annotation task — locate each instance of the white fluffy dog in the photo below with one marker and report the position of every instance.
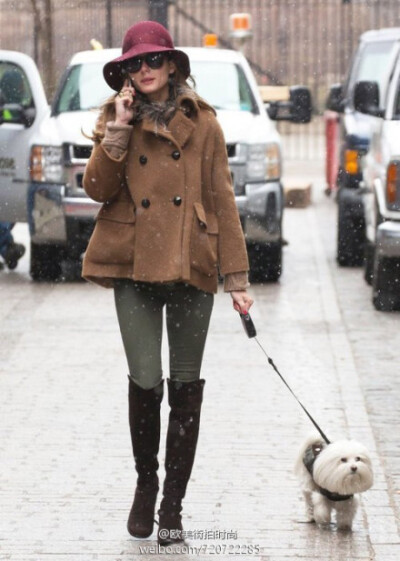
(330, 475)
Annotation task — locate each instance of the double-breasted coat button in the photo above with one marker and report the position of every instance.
(176, 154)
(145, 203)
(143, 159)
(177, 201)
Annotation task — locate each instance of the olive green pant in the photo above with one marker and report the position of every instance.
(140, 315)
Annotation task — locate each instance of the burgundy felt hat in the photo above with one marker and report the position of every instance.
(141, 38)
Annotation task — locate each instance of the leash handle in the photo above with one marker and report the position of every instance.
(248, 325)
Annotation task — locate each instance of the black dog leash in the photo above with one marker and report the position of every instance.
(251, 332)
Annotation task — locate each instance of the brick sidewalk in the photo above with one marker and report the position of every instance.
(67, 477)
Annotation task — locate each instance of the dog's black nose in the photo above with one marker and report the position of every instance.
(353, 468)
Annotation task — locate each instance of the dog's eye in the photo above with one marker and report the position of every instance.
(358, 459)
(344, 460)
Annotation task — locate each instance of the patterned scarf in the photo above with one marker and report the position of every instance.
(160, 112)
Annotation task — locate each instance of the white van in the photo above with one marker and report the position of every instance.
(43, 153)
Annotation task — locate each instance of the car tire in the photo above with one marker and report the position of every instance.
(265, 262)
(45, 264)
(369, 262)
(386, 284)
(71, 270)
(350, 237)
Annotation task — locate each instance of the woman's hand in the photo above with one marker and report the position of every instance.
(242, 301)
(124, 101)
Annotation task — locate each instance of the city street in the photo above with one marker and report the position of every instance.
(67, 476)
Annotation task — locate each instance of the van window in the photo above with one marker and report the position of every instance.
(223, 85)
(373, 63)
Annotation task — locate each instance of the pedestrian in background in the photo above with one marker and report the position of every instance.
(168, 222)
(10, 251)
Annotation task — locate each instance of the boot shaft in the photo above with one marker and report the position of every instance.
(185, 400)
(144, 422)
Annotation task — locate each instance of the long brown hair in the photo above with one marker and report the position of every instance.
(177, 84)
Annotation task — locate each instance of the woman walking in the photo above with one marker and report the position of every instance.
(167, 225)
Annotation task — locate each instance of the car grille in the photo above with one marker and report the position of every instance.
(76, 157)
(81, 152)
(237, 169)
(79, 180)
(231, 150)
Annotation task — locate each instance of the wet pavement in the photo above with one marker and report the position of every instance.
(66, 478)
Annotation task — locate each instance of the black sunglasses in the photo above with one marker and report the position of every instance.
(153, 60)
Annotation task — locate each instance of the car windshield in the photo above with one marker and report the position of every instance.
(222, 84)
(83, 88)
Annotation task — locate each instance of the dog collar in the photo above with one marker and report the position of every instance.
(334, 496)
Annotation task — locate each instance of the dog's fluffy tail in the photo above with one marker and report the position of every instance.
(312, 439)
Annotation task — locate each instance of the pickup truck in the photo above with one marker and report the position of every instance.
(43, 152)
(381, 188)
(377, 50)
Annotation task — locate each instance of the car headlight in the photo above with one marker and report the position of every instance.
(263, 162)
(46, 164)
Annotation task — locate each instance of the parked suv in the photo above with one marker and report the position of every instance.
(373, 60)
(381, 188)
(43, 154)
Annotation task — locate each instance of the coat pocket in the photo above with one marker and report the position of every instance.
(113, 238)
(204, 241)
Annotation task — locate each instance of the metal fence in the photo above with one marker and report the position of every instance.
(294, 41)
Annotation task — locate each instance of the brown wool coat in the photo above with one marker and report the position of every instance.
(169, 211)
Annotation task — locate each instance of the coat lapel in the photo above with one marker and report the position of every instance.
(179, 129)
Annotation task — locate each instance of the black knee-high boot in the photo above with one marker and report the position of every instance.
(185, 400)
(144, 422)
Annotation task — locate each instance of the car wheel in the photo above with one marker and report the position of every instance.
(369, 262)
(265, 262)
(45, 262)
(386, 284)
(351, 238)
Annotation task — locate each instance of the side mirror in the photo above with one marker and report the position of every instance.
(335, 101)
(366, 98)
(300, 98)
(16, 114)
(297, 110)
